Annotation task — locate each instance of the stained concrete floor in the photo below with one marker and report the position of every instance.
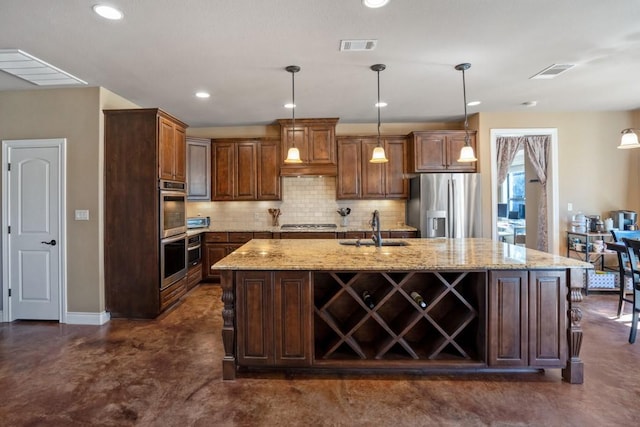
(167, 372)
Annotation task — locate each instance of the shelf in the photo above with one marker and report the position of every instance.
(397, 328)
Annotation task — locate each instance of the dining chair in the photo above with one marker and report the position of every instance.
(633, 251)
(623, 262)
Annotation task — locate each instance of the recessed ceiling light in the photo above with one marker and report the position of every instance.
(289, 105)
(202, 95)
(473, 103)
(381, 104)
(374, 3)
(108, 12)
(530, 103)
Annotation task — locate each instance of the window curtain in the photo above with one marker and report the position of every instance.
(537, 150)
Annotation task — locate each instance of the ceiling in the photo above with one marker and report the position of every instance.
(163, 51)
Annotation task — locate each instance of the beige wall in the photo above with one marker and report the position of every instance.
(74, 114)
(593, 175)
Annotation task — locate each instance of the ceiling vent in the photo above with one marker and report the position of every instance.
(34, 70)
(357, 45)
(552, 71)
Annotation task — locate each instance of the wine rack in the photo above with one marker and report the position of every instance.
(450, 328)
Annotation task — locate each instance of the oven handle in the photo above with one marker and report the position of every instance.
(194, 247)
(174, 238)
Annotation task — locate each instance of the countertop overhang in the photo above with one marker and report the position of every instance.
(419, 255)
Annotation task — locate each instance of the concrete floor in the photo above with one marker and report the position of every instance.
(167, 372)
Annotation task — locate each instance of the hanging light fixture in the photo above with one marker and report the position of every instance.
(293, 155)
(629, 139)
(466, 153)
(378, 155)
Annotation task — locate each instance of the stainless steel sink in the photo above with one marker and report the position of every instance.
(359, 242)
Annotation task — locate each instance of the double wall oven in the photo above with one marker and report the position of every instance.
(173, 232)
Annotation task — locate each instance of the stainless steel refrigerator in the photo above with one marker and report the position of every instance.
(446, 204)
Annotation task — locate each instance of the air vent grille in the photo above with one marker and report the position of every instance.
(357, 45)
(552, 71)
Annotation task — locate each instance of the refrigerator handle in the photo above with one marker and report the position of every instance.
(454, 214)
(450, 215)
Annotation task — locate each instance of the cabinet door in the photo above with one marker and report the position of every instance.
(245, 177)
(254, 304)
(373, 174)
(547, 318)
(166, 148)
(268, 171)
(223, 164)
(429, 153)
(396, 185)
(198, 169)
(508, 314)
(289, 136)
(348, 181)
(321, 140)
(180, 154)
(293, 328)
(213, 253)
(455, 142)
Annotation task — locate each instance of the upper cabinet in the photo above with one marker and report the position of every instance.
(198, 168)
(172, 149)
(360, 179)
(316, 140)
(438, 151)
(245, 169)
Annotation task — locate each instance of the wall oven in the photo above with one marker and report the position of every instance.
(194, 249)
(173, 259)
(173, 209)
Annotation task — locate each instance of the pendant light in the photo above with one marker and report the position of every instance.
(629, 139)
(378, 155)
(466, 153)
(293, 155)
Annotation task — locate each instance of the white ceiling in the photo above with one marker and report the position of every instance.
(163, 51)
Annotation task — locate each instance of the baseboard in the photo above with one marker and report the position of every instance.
(76, 318)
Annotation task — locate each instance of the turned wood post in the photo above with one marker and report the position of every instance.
(574, 372)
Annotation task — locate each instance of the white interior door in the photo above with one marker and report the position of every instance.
(33, 199)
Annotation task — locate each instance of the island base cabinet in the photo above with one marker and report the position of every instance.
(527, 319)
(274, 322)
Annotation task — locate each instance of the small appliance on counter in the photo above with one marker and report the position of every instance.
(624, 220)
(198, 222)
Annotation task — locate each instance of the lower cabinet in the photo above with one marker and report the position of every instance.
(527, 319)
(218, 245)
(274, 318)
(172, 293)
(194, 275)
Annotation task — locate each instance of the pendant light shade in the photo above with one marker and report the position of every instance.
(378, 155)
(466, 153)
(629, 139)
(293, 155)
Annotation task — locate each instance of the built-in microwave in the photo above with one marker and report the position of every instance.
(173, 209)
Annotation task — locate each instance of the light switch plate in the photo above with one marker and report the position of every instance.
(82, 215)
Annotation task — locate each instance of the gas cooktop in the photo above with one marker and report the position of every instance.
(308, 226)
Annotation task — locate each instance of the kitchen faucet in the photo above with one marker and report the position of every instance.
(375, 227)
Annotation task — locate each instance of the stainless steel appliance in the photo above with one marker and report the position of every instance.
(446, 205)
(173, 208)
(310, 227)
(173, 259)
(624, 220)
(194, 249)
(198, 222)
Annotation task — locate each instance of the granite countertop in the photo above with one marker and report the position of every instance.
(277, 229)
(420, 254)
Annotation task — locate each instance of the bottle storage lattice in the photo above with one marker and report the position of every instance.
(397, 328)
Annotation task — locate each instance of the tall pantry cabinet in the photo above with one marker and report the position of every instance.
(141, 147)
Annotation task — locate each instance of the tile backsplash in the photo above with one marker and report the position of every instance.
(305, 200)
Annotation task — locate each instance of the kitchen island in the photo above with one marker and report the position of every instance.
(419, 305)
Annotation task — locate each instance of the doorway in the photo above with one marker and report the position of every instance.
(525, 195)
(33, 235)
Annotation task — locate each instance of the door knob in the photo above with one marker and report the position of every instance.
(52, 243)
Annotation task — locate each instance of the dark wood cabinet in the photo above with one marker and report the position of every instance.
(194, 276)
(527, 318)
(137, 152)
(172, 150)
(360, 179)
(245, 170)
(438, 151)
(316, 141)
(276, 324)
(218, 245)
